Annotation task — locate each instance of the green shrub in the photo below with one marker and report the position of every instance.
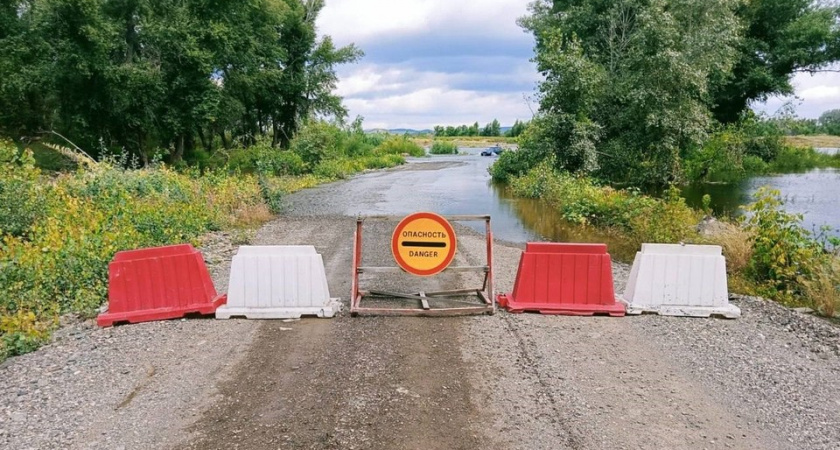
(512, 164)
(21, 191)
(264, 159)
(753, 165)
(61, 264)
(399, 145)
(784, 253)
(317, 141)
(800, 159)
(580, 200)
(719, 159)
(337, 169)
(443, 148)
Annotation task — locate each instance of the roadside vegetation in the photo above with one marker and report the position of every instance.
(443, 148)
(651, 95)
(464, 141)
(492, 129)
(135, 124)
(60, 229)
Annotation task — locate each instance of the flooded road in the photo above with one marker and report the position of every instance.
(451, 185)
(442, 184)
(461, 185)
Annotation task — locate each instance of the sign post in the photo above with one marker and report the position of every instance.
(424, 244)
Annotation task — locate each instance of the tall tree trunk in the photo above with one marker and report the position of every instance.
(179, 149)
(205, 142)
(225, 141)
(275, 133)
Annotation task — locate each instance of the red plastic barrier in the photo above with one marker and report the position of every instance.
(568, 279)
(157, 284)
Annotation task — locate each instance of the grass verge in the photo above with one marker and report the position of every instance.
(58, 233)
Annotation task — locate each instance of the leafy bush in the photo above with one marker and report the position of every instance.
(580, 200)
(399, 145)
(264, 159)
(443, 148)
(719, 159)
(823, 289)
(784, 253)
(22, 332)
(512, 164)
(21, 193)
(799, 159)
(317, 141)
(61, 263)
(342, 168)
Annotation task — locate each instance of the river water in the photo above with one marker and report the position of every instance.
(814, 194)
(461, 185)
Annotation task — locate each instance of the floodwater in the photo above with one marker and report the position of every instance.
(460, 184)
(814, 194)
(452, 185)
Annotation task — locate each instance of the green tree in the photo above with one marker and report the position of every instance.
(517, 129)
(626, 85)
(830, 122)
(780, 38)
(144, 74)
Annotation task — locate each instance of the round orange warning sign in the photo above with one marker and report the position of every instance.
(423, 244)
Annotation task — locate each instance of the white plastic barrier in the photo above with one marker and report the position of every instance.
(679, 280)
(277, 282)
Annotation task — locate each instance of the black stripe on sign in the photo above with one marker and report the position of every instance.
(424, 244)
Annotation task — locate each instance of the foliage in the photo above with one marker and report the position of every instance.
(752, 146)
(779, 39)
(830, 122)
(511, 164)
(517, 129)
(823, 289)
(798, 159)
(493, 128)
(21, 192)
(59, 263)
(317, 141)
(579, 200)
(627, 82)
(22, 332)
(144, 74)
(443, 148)
(783, 251)
(399, 145)
(261, 158)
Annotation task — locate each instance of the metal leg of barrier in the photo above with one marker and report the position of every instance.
(425, 309)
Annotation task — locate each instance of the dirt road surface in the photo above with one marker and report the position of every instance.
(766, 381)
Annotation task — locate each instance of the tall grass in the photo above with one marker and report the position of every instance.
(443, 148)
(58, 232)
(580, 200)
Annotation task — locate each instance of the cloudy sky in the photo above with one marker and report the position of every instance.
(444, 62)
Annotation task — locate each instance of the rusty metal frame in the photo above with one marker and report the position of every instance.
(484, 293)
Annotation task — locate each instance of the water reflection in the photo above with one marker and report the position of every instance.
(544, 221)
(813, 194)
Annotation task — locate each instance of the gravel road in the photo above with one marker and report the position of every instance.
(766, 381)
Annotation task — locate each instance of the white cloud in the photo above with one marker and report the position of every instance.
(363, 20)
(407, 84)
(427, 107)
(403, 96)
(815, 94)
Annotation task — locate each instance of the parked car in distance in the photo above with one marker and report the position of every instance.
(490, 151)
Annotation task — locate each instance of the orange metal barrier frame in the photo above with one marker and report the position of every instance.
(485, 293)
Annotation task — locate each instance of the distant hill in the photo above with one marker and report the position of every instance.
(399, 131)
(413, 131)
